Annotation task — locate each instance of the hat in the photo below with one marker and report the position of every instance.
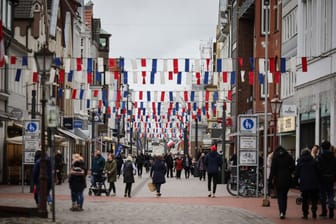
(213, 148)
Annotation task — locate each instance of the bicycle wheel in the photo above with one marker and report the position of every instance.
(231, 187)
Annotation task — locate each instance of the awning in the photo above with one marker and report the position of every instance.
(18, 140)
(84, 134)
(69, 134)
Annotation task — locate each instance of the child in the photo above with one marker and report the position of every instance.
(77, 185)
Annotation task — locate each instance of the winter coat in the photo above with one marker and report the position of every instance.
(158, 172)
(111, 170)
(77, 180)
(327, 167)
(307, 173)
(213, 162)
(178, 164)
(169, 161)
(98, 164)
(128, 171)
(36, 173)
(187, 162)
(282, 168)
(201, 164)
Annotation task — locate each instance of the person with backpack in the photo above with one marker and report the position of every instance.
(213, 163)
(327, 170)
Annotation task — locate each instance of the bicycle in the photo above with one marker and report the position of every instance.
(247, 182)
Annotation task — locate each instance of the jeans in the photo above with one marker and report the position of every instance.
(327, 195)
(282, 200)
(77, 198)
(214, 178)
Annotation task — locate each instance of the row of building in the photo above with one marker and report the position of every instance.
(296, 37)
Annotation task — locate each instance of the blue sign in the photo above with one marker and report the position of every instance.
(78, 124)
(32, 127)
(248, 124)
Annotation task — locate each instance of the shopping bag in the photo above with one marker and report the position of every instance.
(151, 187)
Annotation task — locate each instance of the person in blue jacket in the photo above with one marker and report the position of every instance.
(213, 163)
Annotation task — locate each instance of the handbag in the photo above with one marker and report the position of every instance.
(151, 187)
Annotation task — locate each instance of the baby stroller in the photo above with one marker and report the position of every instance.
(99, 187)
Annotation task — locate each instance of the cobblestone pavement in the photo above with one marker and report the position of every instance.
(182, 201)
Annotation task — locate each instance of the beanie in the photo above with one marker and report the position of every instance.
(213, 148)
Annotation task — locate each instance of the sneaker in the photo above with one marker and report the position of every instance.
(114, 194)
(209, 195)
(282, 216)
(158, 195)
(213, 195)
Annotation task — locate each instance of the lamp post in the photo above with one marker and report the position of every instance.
(44, 59)
(223, 142)
(275, 106)
(266, 7)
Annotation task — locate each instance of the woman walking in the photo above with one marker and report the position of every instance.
(282, 168)
(128, 170)
(158, 172)
(178, 166)
(111, 171)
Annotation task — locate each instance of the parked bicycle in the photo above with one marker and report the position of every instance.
(248, 185)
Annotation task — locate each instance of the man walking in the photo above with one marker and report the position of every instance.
(213, 163)
(327, 170)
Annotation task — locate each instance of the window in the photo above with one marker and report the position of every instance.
(102, 42)
(6, 13)
(264, 19)
(289, 25)
(277, 16)
(326, 25)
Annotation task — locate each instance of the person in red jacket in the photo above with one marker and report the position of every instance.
(178, 166)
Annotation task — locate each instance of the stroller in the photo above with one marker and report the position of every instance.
(99, 187)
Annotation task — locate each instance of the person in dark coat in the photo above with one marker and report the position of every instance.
(170, 164)
(282, 168)
(187, 162)
(213, 163)
(77, 185)
(128, 170)
(201, 166)
(139, 163)
(308, 178)
(98, 164)
(158, 172)
(36, 177)
(59, 164)
(327, 170)
(120, 162)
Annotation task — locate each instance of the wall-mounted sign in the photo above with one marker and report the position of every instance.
(286, 124)
(68, 123)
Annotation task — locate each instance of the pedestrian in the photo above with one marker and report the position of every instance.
(77, 185)
(308, 179)
(128, 170)
(98, 164)
(111, 171)
(157, 173)
(201, 166)
(315, 151)
(170, 164)
(282, 168)
(147, 162)
(271, 189)
(139, 163)
(213, 163)
(36, 177)
(187, 162)
(178, 166)
(59, 164)
(120, 162)
(327, 171)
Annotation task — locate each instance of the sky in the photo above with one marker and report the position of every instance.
(157, 28)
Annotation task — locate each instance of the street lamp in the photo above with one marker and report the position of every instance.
(275, 106)
(44, 59)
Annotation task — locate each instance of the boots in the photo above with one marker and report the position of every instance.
(324, 211)
(331, 213)
(74, 207)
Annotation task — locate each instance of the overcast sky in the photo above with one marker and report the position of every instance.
(157, 28)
